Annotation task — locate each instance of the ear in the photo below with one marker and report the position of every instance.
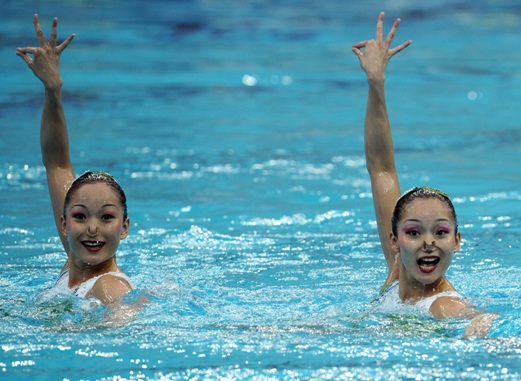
(63, 223)
(124, 229)
(457, 242)
(394, 243)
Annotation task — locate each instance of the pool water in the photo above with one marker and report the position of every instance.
(236, 130)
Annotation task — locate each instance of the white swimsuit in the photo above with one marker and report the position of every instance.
(62, 284)
(389, 300)
(61, 287)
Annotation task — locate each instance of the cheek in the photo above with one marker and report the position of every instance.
(70, 227)
(404, 240)
(450, 244)
(118, 227)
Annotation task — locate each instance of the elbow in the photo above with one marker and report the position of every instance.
(53, 158)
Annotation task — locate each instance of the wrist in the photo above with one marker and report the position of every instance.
(376, 80)
(53, 93)
(54, 86)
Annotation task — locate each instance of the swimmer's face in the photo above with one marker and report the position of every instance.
(94, 224)
(427, 240)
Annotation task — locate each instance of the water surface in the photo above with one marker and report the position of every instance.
(236, 130)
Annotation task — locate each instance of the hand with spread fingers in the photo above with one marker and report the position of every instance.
(378, 52)
(45, 62)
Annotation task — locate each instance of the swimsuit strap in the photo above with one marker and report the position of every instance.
(388, 289)
(64, 273)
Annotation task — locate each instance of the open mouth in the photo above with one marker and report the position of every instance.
(428, 264)
(93, 245)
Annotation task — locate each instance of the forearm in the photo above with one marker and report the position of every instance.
(55, 153)
(53, 132)
(378, 139)
(480, 325)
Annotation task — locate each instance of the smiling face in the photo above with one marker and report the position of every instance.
(94, 224)
(427, 239)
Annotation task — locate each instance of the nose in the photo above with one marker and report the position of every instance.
(92, 230)
(429, 248)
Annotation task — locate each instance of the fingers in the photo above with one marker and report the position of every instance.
(20, 53)
(28, 50)
(357, 51)
(356, 48)
(360, 44)
(60, 48)
(379, 37)
(39, 32)
(52, 38)
(390, 38)
(400, 47)
(380, 26)
(392, 32)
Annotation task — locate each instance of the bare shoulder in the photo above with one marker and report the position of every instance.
(109, 288)
(453, 307)
(449, 307)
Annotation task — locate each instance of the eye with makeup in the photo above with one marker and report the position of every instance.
(443, 231)
(412, 231)
(107, 217)
(108, 213)
(78, 215)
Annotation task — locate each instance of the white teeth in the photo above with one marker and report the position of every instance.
(92, 244)
(428, 261)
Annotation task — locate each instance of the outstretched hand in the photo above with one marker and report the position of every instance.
(45, 63)
(377, 53)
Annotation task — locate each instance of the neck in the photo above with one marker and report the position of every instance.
(79, 273)
(412, 290)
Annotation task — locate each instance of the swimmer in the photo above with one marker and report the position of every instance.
(418, 230)
(90, 211)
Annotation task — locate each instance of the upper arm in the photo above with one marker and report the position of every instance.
(386, 190)
(451, 307)
(109, 288)
(379, 154)
(59, 181)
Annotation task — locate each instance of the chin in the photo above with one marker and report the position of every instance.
(430, 280)
(427, 279)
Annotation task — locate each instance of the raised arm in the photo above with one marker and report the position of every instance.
(377, 132)
(54, 141)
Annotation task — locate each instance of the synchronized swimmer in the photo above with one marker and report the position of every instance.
(419, 229)
(90, 211)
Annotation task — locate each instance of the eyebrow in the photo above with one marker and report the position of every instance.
(443, 219)
(103, 206)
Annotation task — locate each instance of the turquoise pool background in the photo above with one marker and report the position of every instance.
(235, 128)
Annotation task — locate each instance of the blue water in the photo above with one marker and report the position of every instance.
(235, 128)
